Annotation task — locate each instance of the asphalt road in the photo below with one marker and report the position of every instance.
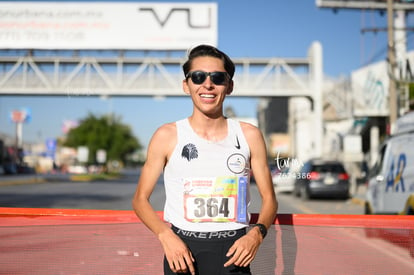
(57, 191)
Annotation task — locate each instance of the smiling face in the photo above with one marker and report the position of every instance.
(208, 97)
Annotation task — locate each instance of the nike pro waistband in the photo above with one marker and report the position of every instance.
(214, 235)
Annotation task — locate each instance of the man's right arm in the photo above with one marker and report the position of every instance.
(150, 172)
(159, 150)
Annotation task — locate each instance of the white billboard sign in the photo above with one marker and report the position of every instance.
(101, 156)
(83, 154)
(405, 68)
(370, 90)
(107, 25)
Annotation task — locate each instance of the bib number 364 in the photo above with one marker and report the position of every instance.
(199, 209)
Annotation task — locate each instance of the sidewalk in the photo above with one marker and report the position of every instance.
(359, 196)
(32, 178)
(41, 178)
(20, 179)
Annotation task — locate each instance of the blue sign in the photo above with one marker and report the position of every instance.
(51, 144)
(395, 179)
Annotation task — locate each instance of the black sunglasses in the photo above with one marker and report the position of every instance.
(198, 77)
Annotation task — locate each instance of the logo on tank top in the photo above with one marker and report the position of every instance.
(237, 143)
(236, 163)
(189, 152)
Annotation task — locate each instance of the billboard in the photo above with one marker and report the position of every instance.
(370, 86)
(23, 115)
(107, 25)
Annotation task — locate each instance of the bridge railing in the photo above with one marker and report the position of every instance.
(150, 76)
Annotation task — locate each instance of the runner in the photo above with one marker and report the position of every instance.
(207, 160)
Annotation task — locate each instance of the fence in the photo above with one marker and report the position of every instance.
(63, 241)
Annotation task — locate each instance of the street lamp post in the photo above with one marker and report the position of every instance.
(393, 104)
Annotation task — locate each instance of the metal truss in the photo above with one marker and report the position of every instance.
(365, 4)
(59, 74)
(144, 76)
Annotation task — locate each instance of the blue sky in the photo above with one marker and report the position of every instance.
(260, 28)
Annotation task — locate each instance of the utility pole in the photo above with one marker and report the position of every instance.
(393, 103)
(393, 54)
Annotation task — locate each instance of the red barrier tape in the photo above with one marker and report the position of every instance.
(48, 216)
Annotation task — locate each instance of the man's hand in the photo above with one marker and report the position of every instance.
(178, 255)
(243, 251)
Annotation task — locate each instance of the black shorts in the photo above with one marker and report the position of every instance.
(209, 250)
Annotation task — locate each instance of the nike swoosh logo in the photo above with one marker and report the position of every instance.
(238, 144)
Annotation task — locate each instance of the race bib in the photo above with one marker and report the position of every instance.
(221, 199)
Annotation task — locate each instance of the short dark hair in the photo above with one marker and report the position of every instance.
(207, 50)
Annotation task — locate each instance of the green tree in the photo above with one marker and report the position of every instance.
(105, 132)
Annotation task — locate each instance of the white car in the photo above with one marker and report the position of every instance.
(77, 169)
(284, 181)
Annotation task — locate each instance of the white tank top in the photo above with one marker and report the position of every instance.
(207, 183)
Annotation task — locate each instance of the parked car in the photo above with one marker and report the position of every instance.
(284, 181)
(322, 178)
(77, 169)
(10, 168)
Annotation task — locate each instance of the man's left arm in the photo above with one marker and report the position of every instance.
(244, 249)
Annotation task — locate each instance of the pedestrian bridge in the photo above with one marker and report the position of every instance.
(63, 241)
(104, 73)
